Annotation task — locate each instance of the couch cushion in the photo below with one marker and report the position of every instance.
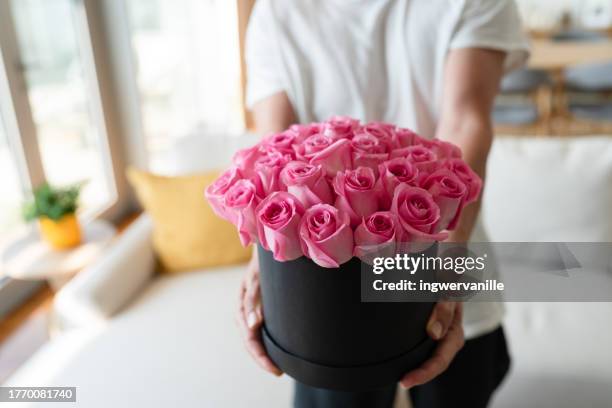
(177, 345)
(553, 189)
(186, 232)
(549, 189)
(104, 288)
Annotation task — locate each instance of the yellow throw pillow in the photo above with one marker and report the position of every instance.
(186, 233)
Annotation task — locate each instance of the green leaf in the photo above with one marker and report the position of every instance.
(52, 202)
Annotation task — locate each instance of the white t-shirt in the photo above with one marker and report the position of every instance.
(375, 60)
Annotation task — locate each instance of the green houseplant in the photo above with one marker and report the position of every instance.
(55, 208)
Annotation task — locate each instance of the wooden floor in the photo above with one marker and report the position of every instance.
(24, 331)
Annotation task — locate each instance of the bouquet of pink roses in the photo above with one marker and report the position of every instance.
(317, 197)
(333, 190)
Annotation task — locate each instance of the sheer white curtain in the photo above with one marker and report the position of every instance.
(188, 70)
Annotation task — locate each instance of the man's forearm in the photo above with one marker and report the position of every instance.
(273, 114)
(471, 82)
(473, 134)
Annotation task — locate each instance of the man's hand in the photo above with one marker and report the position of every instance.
(250, 317)
(471, 81)
(271, 114)
(445, 326)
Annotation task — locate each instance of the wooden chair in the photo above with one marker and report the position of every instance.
(532, 116)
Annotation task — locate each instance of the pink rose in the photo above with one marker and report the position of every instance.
(417, 213)
(446, 150)
(405, 137)
(282, 142)
(471, 180)
(394, 172)
(279, 217)
(440, 148)
(267, 168)
(368, 151)
(334, 156)
(340, 127)
(420, 140)
(216, 191)
(382, 131)
(423, 158)
(245, 159)
(326, 236)
(312, 145)
(449, 193)
(306, 182)
(240, 202)
(303, 132)
(357, 193)
(376, 234)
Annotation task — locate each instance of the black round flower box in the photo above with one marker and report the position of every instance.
(319, 332)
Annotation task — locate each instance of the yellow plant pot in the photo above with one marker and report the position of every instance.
(62, 234)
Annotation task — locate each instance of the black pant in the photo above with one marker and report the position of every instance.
(470, 381)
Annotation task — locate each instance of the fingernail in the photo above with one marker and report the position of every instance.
(436, 330)
(251, 320)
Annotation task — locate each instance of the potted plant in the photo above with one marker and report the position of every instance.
(55, 208)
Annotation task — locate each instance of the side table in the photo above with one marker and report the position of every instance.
(30, 258)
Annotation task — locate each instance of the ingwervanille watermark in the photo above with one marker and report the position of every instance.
(489, 272)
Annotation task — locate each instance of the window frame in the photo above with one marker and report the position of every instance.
(104, 34)
(20, 128)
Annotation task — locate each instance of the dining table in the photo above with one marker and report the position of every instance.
(555, 56)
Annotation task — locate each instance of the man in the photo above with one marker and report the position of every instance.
(430, 65)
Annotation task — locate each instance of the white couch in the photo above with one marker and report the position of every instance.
(135, 339)
(174, 343)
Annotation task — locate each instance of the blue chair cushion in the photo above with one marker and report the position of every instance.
(590, 78)
(578, 35)
(524, 80)
(602, 112)
(515, 114)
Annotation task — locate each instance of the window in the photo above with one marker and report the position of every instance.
(188, 69)
(52, 119)
(11, 193)
(80, 79)
(72, 146)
